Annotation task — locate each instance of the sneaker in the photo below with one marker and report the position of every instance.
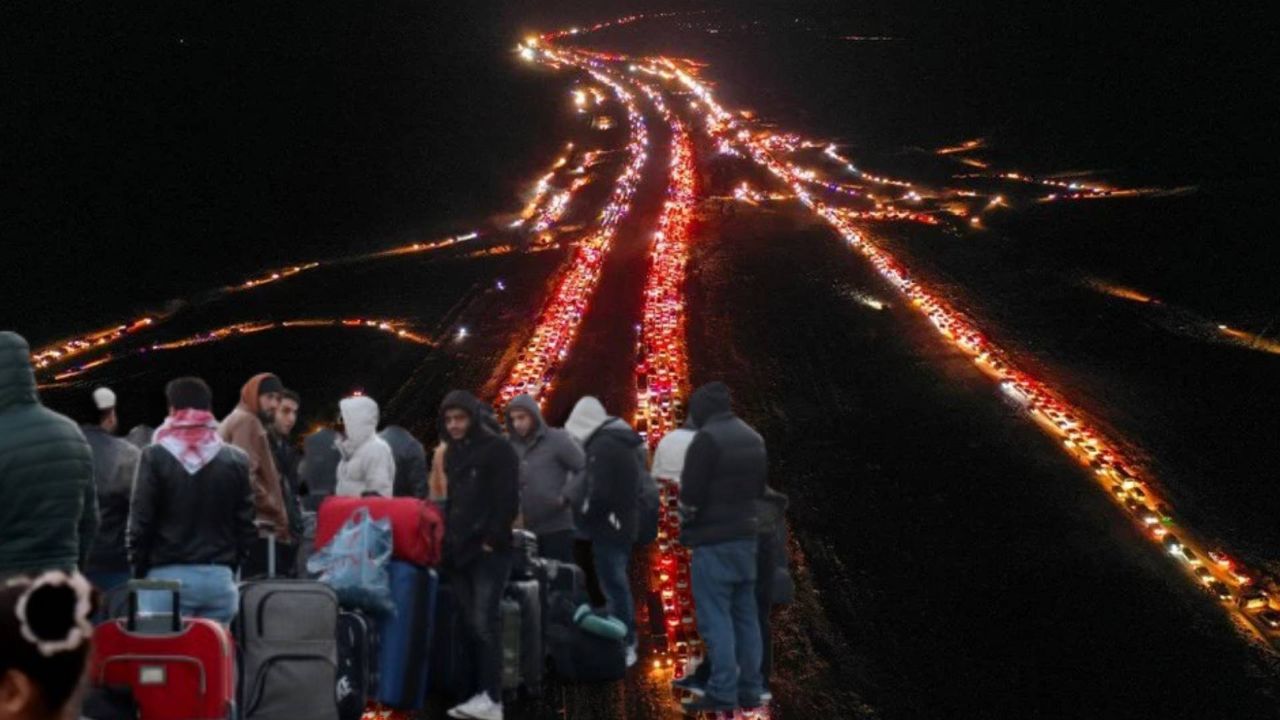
(766, 697)
(706, 704)
(632, 656)
(690, 684)
(477, 708)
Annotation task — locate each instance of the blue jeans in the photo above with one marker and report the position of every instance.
(208, 591)
(724, 597)
(611, 563)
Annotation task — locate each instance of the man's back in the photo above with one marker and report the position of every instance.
(49, 511)
(179, 518)
(724, 472)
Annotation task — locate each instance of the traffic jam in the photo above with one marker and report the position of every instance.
(1245, 594)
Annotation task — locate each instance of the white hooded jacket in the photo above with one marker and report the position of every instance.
(367, 464)
(668, 459)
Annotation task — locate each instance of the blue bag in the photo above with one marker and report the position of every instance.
(354, 564)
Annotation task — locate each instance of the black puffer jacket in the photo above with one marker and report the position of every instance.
(724, 472)
(48, 504)
(484, 491)
(181, 519)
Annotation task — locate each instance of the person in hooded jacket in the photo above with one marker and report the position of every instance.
(548, 457)
(721, 483)
(609, 503)
(482, 472)
(246, 428)
(115, 463)
(191, 516)
(367, 466)
(411, 462)
(50, 511)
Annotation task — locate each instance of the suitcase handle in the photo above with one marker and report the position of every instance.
(268, 528)
(173, 586)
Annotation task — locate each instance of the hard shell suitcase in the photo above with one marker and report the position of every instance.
(528, 594)
(288, 636)
(452, 658)
(357, 675)
(184, 671)
(404, 656)
(509, 611)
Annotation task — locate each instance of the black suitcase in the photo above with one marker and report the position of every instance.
(527, 594)
(454, 673)
(524, 555)
(512, 632)
(357, 663)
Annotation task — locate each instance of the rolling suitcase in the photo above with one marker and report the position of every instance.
(287, 632)
(527, 594)
(357, 675)
(404, 657)
(524, 555)
(183, 670)
(454, 673)
(509, 611)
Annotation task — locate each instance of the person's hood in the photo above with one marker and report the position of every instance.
(465, 401)
(402, 442)
(360, 419)
(709, 401)
(528, 404)
(17, 379)
(249, 393)
(587, 417)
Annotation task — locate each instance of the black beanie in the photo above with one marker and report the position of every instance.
(270, 384)
(189, 393)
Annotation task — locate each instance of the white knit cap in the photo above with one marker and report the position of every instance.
(104, 398)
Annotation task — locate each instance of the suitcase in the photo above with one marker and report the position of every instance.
(512, 632)
(287, 631)
(564, 585)
(404, 657)
(524, 555)
(528, 595)
(417, 526)
(182, 671)
(357, 674)
(578, 656)
(451, 652)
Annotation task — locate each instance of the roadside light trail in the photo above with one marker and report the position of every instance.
(400, 329)
(547, 207)
(536, 366)
(56, 354)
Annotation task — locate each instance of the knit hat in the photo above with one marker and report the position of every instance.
(104, 399)
(587, 417)
(270, 384)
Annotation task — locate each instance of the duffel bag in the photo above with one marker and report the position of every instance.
(417, 526)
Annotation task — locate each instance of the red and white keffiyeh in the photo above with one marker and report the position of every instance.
(191, 436)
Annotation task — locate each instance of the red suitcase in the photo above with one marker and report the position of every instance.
(417, 526)
(184, 671)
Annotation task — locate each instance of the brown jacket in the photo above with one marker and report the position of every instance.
(243, 429)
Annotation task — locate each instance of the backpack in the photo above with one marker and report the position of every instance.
(647, 502)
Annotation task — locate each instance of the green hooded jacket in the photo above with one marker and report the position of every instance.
(48, 505)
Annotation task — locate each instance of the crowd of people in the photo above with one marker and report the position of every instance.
(205, 502)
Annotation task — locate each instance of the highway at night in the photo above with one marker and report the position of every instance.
(978, 526)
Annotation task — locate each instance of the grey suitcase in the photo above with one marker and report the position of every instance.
(287, 640)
